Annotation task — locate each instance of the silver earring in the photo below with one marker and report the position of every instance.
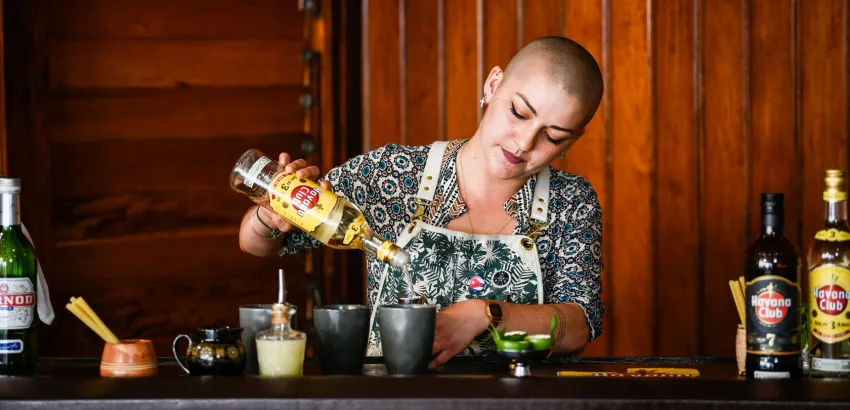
(481, 101)
(561, 155)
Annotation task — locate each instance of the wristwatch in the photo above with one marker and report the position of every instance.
(493, 311)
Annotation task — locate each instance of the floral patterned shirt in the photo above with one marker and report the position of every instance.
(383, 183)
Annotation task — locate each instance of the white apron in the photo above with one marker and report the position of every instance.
(449, 266)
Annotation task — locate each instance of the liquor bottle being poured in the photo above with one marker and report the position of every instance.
(322, 214)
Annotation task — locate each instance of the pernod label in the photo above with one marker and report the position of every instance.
(17, 303)
(11, 346)
(773, 316)
(830, 290)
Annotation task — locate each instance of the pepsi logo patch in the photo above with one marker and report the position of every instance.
(476, 284)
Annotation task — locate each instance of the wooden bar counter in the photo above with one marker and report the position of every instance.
(462, 384)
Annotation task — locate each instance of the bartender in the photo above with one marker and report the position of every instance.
(495, 234)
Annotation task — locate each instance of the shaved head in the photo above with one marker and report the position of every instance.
(563, 61)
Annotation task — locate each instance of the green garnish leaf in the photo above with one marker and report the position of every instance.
(493, 331)
(553, 326)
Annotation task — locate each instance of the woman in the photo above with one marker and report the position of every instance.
(494, 233)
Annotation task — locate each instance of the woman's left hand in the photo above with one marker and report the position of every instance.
(457, 326)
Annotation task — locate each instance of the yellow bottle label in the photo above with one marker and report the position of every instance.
(301, 201)
(834, 196)
(354, 229)
(832, 235)
(829, 291)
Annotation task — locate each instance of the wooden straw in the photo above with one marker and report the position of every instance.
(743, 287)
(84, 312)
(82, 303)
(739, 299)
(87, 321)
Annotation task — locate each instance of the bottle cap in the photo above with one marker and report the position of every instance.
(772, 203)
(280, 314)
(10, 185)
(834, 181)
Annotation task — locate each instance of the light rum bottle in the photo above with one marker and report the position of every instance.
(322, 214)
(829, 286)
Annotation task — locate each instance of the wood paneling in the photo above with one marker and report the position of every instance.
(500, 30)
(177, 63)
(155, 165)
(542, 18)
(676, 183)
(632, 166)
(823, 103)
(382, 74)
(85, 115)
(773, 136)
(708, 104)
(168, 19)
(161, 290)
(463, 85)
(165, 185)
(724, 168)
(422, 71)
(128, 116)
(589, 156)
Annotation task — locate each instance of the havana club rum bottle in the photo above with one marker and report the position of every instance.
(829, 286)
(772, 298)
(18, 270)
(322, 214)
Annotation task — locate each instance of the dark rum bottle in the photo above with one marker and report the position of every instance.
(829, 286)
(772, 298)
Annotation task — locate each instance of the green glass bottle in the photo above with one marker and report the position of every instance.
(18, 281)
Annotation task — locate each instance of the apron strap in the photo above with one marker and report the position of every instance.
(540, 200)
(431, 175)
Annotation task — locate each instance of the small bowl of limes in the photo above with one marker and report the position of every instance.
(521, 348)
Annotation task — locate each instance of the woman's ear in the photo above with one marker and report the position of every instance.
(492, 82)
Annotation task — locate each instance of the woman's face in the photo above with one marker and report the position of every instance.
(530, 120)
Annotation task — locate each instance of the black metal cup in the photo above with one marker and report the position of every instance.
(407, 337)
(343, 333)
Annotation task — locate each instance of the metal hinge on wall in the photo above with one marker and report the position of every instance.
(311, 6)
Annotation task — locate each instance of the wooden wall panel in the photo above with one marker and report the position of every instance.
(422, 72)
(708, 104)
(541, 18)
(165, 185)
(463, 85)
(676, 184)
(168, 19)
(584, 23)
(382, 88)
(500, 23)
(724, 169)
(85, 115)
(632, 166)
(823, 102)
(177, 63)
(161, 291)
(773, 136)
(150, 103)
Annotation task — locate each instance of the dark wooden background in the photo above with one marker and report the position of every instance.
(708, 104)
(124, 117)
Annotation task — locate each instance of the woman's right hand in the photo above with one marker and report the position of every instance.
(301, 170)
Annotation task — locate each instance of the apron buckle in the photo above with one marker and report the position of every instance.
(536, 226)
(420, 209)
